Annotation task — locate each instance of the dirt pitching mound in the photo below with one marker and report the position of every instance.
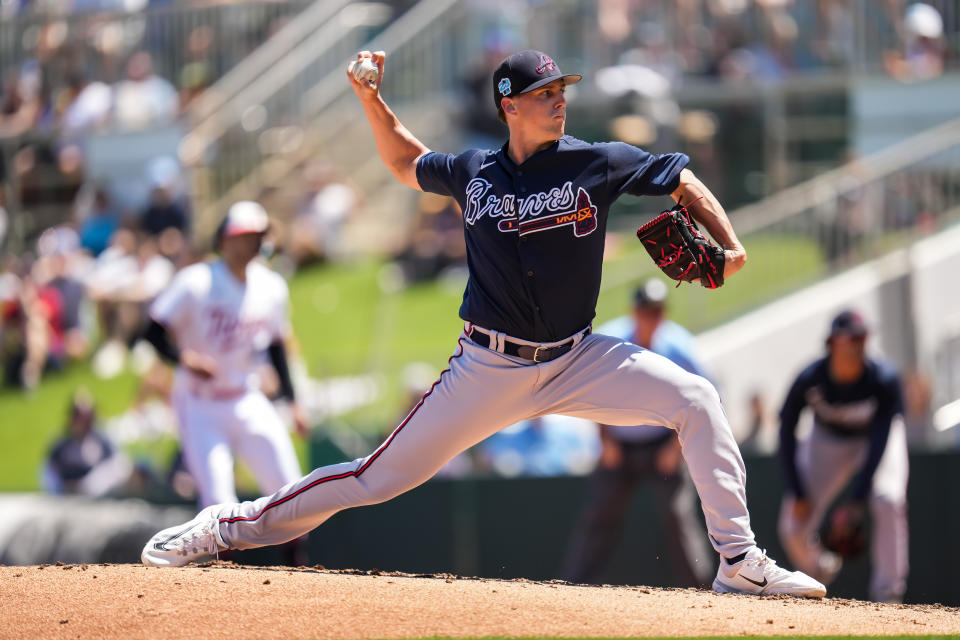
(220, 600)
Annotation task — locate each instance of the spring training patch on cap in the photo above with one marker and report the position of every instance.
(504, 87)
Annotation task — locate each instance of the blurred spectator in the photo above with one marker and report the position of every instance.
(196, 75)
(87, 106)
(72, 167)
(126, 277)
(923, 50)
(24, 105)
(144, 99)
(48, 180)
(84, 462)
(31, 327)
(13, 327)
(98, 224)
(61, 266)
(316, 230)
(778, 54)
(835, 42)
(167, 208)
(436, 240)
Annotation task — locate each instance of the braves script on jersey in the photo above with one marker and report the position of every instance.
(535, 232)
(210, 311)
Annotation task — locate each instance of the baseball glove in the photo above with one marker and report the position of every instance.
(679, 249)
(846, 533)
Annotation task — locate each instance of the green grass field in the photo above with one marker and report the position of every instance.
(346, 324)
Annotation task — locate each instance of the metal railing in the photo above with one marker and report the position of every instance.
(852, 214)
(263, 59)
(306, 106)
(861, 210)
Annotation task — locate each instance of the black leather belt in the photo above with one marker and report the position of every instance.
(526, 351)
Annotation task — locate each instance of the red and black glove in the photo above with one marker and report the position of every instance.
(846, 532)
(680, 250)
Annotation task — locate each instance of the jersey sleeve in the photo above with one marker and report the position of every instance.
(637, 172)
(789, 416)
(890, 404)
(170, 308)
(436, 171)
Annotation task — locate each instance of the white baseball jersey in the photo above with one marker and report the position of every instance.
(210, 311)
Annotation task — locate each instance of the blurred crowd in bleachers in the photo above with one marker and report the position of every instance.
(767, 40)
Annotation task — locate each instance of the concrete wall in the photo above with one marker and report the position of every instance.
(909, 299)
(885, 111)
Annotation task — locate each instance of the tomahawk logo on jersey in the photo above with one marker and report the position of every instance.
(583, 219)
(549, 209)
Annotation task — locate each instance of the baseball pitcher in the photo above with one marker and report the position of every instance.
(535, 215)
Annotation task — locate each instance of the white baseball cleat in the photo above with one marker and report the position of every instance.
(760, 576)
(184, 543)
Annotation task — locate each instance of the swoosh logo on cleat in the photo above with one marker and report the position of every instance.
(759, 584)
(162, 546)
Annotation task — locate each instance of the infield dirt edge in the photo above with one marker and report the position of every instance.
(219, 600)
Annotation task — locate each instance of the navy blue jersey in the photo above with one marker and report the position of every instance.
(861, 409)
(535, 231)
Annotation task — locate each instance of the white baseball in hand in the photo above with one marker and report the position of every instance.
(364, 69)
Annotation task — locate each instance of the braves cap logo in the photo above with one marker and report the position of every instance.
(546, 63)
(504, 87)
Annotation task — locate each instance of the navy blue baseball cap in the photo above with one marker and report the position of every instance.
(525, 71)
(848, 322)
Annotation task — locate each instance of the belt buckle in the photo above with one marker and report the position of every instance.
(536, 352)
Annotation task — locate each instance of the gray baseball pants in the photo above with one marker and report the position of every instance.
(602, 379)
(827, 464)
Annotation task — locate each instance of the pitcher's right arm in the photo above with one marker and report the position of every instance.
(398, 148)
